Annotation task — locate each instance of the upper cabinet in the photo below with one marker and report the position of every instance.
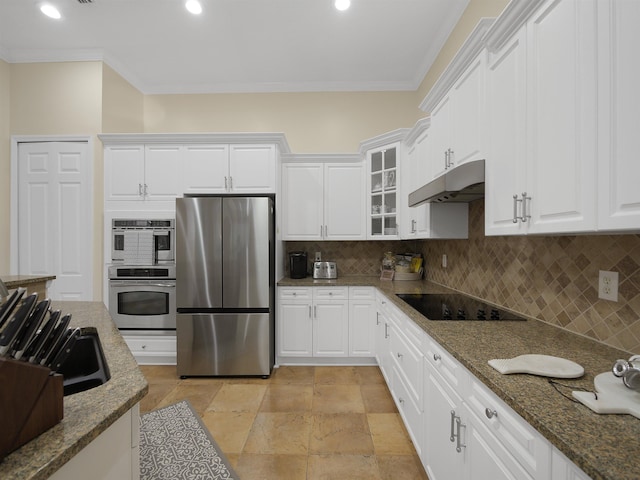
(456, 105)
(143, 167)
(428, 220)
(323, 197)
(619, 104)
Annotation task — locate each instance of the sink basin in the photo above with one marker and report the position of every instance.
(86, 367)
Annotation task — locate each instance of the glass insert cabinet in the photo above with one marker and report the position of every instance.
(383, 193)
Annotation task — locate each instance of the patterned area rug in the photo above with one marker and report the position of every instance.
(176, 445)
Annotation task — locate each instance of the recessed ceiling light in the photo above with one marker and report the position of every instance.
(342, 4)
(50, 11)
(193, 6)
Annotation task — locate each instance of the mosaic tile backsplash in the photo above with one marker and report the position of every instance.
(554, 279)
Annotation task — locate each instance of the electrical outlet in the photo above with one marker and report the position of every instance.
(444, 260)
(608, 285)
(318, 256)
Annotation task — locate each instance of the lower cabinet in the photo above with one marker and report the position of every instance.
(152, 349)
(325, 325)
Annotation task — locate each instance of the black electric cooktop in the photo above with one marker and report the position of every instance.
(453, 306)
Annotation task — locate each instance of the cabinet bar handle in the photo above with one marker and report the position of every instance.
(413, 226)
(226, 185)
(146, 190)
(377, 318)
(230, 183)
(309, 311)
(459, 445)
(446, 159)
(452, 438)
(515, 208)
(315, 311)
(450, 157)
(386, 330)
(140, 189)
(525, 215)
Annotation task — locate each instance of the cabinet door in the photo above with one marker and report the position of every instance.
(486, 457)
(124, 172)
(252, 169)
(468, 115)
(344, 201)
(619, 142)
(302, 209)
(506, 127)
(562, 118)
(331, 328)
(205, 168)
(441, 405)
(163, 172)
(440, 132)
(383, 196)
(362, 328)
(295, 332)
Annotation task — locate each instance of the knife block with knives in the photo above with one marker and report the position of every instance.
(31, 402)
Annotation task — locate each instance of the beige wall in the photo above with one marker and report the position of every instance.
(5, 164)
(122, 104)
(312, 122)
(62, 99)
(476, 10)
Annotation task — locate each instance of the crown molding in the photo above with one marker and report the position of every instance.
(195, 138)
(382, 140)
(472, 46)
(321, 157)
(514, 16)
(417, 130)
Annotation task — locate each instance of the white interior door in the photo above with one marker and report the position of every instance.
(54, 216)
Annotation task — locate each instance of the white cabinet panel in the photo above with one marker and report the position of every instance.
(323, 201)
(163, 172)
(124, 172)
(252, 169)
(362, 327)
(619, 142)
(295, 332)
(205, 168)
(302, 206)
(562, 117)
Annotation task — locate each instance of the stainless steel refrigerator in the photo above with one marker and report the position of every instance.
(225, 285)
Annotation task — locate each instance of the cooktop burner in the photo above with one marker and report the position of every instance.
(453, 306)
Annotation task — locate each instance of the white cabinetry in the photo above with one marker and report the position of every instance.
(137, 173)
(619, 103)
(383, 188)
(324, 325)
(563, 469)
(323, 200)
(383, 325)
(457, 121)
(362, 319)
(429, 220)
(469, 433)
(541, 171)
(330, 322)
(152, 349)
(252, 169)
(205, 168)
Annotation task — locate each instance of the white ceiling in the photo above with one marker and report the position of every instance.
(238, 45)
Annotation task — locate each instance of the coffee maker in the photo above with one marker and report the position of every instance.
(297, 264)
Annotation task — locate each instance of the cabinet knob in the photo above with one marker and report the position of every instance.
(490, 413)
(436, 357)
(399, 355)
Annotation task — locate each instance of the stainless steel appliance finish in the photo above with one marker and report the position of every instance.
(142, 241)
(225, 285)
(325, 270)
(143, 297)
(462, 184)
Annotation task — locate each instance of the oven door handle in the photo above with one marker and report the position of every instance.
(163, 285)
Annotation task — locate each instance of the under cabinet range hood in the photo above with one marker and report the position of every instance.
(461, 184)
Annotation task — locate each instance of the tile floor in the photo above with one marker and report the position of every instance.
(303, 423)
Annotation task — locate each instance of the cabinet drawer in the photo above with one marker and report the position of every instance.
(409, 361)
(331, 293)
(409, 410)
(447, 366)
(361, 293)
(151, 344)
(294, 293)
(522, 441)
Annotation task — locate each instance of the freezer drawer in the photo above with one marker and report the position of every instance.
(224, 344)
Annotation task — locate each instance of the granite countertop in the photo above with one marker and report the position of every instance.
(13, 281)
(86, 414)
(604, 446)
